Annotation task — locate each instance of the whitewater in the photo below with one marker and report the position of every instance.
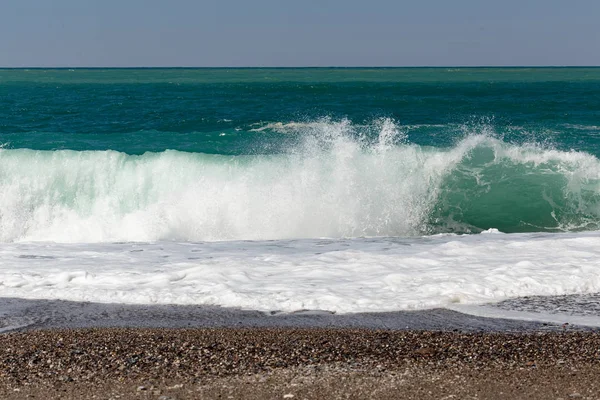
(343, 275)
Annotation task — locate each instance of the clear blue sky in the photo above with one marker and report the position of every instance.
(298, 33)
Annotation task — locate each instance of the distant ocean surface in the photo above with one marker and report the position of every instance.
(341, 189)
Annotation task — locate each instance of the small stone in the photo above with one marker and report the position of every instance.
(574, 395)
(141, 388)
(425, 352)
(288, 396)
(177, 386)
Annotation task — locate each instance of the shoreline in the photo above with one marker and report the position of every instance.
(301, 362)
(23, 315)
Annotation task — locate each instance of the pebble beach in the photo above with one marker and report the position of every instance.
(261, 363)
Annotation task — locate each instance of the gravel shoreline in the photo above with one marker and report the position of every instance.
(304, 363)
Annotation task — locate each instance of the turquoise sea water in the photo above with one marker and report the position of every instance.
(218, 154)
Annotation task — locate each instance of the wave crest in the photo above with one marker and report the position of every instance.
(336, 181)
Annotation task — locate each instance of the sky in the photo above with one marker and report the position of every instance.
(272, 33)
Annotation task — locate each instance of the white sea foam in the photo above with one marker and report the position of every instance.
(580, 127)
(324, 124)
(351, 275)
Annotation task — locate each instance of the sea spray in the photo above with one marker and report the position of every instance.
(337, 180)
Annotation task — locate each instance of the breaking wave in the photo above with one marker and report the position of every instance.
(335, 181)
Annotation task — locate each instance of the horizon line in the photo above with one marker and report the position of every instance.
(302, 67)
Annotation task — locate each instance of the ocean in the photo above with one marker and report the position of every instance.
(341, 190)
